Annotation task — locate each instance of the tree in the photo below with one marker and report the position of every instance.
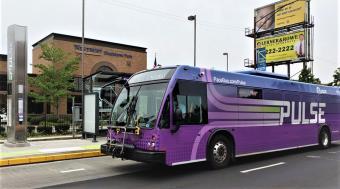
(336, 76)
(307, 76)
(56, 77)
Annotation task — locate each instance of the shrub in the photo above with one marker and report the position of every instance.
(36, 120)
(62, 127)
(2, 129)
(52, 118)
(45, 130)
(30, 129)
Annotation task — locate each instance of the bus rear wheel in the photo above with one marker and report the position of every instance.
(219, 152)
(324, 138)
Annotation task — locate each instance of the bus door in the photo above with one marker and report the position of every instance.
(189, 115)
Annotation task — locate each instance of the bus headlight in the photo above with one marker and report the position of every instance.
(152, 143)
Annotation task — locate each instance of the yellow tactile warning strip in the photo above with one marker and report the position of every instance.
(48, 158)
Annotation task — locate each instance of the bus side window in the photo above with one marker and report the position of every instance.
(190, 103)
(250, 93)
(165, 117)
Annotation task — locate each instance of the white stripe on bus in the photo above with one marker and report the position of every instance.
(191, 161)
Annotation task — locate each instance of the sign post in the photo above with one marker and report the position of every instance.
(261, 59)
(17, 86)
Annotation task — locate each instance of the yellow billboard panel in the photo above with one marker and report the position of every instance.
(280, 14)
(289, 12)
(283, 47)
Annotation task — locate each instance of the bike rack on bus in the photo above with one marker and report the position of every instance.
(123, 145)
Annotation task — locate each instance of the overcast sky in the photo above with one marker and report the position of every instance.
(162, 27)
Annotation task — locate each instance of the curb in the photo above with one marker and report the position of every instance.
(49, 158)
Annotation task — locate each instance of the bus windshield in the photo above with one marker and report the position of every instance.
(138, 105)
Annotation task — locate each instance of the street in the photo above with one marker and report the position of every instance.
(301, 168)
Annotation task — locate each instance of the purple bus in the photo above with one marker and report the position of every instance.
(184, 114)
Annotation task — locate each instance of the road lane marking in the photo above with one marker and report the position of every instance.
(334, 152)
(264, 167)
(72, 170)
(313, 156)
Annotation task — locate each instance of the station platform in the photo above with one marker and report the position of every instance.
(50, 150)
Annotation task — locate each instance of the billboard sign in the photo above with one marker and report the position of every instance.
(286, 47)
(280, 14)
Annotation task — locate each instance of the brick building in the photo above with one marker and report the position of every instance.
(99, 56)
(3, 82)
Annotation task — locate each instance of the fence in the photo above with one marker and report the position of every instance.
(49, 124)
(2, 127)
(39, 124)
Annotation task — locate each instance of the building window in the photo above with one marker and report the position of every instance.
(104, 69)
(250, 93)
(3, 82)
(77, 84)
(34, 107)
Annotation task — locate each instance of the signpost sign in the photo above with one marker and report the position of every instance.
(261, 57)
(91, 114)
(17, 86)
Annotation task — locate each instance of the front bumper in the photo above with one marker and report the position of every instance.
(133, 154)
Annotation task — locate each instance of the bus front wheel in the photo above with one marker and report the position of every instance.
(219, 152)
(324, 138)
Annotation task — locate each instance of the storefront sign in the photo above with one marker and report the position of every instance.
(100, 51)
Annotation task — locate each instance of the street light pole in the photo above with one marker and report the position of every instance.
(82, 61)
(226, 54)
(193, 18)
(82, 39)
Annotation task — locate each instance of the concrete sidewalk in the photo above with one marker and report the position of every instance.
(61, 137)
(52, 150)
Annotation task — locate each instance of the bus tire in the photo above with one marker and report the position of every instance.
(220, 152)
(324, 138)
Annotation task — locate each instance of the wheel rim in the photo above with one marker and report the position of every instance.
(324, 139)
(220, 152)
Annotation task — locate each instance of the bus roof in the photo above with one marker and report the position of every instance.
(250, 79)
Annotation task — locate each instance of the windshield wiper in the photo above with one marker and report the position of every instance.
(131, 109)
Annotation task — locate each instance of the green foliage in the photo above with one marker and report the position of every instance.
(307, 76)
(56, 78)
(45, 130)
(336, 77)
(35, 120)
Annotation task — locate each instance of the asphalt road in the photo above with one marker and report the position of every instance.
(303, 168)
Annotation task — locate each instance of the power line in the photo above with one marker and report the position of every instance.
(168, 15)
